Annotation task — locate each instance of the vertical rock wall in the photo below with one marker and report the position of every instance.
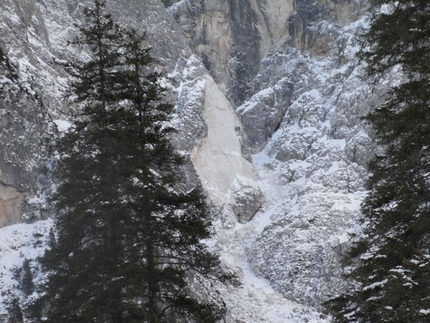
(225, 34)
(24, 142)
(34, 36)
(231, 37)
(289, 70)
(11, 202)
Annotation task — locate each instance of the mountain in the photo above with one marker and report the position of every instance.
(268, 97)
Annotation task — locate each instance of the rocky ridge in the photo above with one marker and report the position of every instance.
(300, 114)
(43, 28)
(268, 100)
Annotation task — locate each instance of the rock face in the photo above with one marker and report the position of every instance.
(268, 101)
(231, 37)
(23, 140)
(262, 113)
(247, 198)
(10, 205)
(299, 106)
(42, 28)
(218, 159)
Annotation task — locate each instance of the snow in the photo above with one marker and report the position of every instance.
(313, 198)
(374, 285)
(249, 105)
(174, 7)
(62, 125)
(309, 204)
(256, 300)
(17, 243)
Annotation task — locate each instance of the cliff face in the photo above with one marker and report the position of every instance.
(36, 34)
(24, 137)
(299, 106)
(268, 99)
(232, 37)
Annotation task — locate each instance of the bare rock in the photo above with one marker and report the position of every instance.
(11, 203)
(247, 199)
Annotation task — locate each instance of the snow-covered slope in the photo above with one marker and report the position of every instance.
(268, 99)
(19, 243)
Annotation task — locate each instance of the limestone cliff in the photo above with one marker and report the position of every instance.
(268, 100)
(24, 141)
(35, 37)
(232, 37)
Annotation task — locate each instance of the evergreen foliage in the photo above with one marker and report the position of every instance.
(15, 311)
(393, 256)
(26, 278)
(128, 234)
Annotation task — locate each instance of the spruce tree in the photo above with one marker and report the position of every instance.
(26, 278)
(392, 258)
(129, 236)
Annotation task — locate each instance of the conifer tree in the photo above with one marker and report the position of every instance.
(26, 278)
(129, 235)
(392, 258)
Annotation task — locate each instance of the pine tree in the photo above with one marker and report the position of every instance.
(129, 235)
(15, 311)
(26, 278)
(393, 256)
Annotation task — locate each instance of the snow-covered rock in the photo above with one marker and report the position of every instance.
(268, 100)
(218, 160)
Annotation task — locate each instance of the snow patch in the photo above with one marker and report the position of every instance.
(62, 125)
